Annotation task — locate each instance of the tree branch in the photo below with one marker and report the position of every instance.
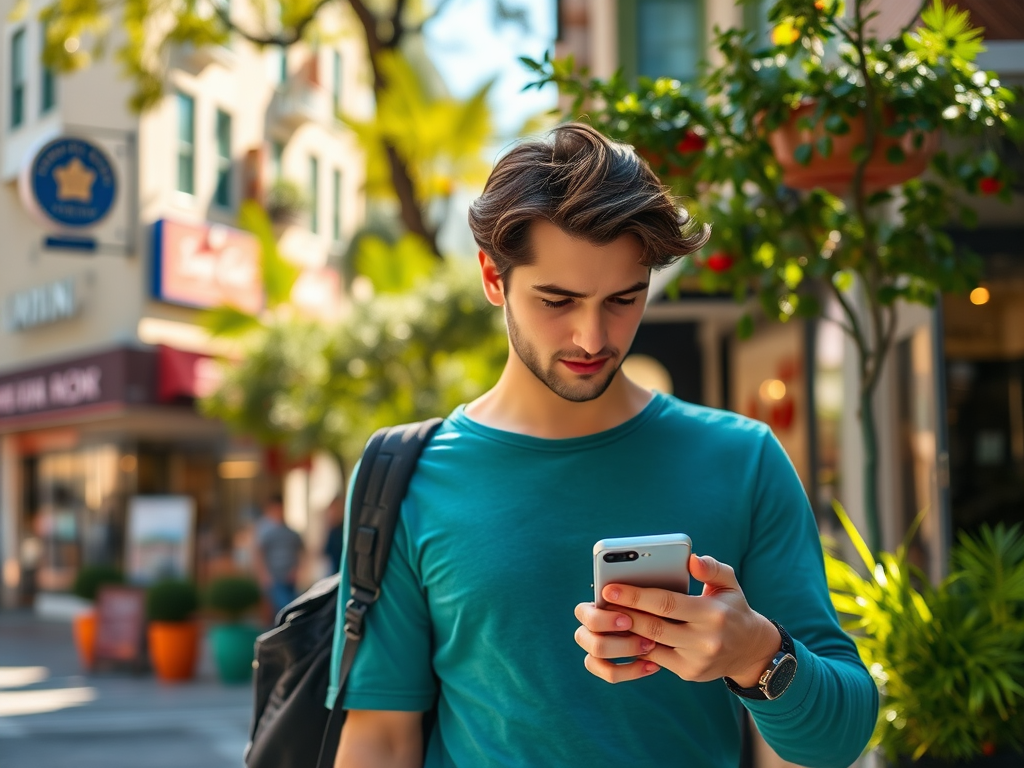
(268, 39)
(438, 10)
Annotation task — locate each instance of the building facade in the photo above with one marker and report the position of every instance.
(118, 229)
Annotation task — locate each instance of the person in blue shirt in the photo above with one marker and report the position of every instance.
(486, 615)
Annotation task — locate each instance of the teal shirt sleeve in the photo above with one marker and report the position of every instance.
(392, 670)
(827, 715)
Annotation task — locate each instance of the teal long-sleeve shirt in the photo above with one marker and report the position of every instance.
(493, 552)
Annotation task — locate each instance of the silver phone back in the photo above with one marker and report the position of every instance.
(662, 561)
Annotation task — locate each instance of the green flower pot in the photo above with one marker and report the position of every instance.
(232, 646)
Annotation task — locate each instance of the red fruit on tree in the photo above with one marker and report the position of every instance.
(990, 185)
(691, 142)
(719, 262)
(819, 5)
(988, 748)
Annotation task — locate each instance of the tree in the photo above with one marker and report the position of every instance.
(806, 155)
(151, 30)
(424, 341)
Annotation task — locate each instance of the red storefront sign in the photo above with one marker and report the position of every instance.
(206, 265)
(118, 376)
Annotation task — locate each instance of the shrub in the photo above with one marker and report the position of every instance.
(91, 577)
(171, 600)
(233, 595)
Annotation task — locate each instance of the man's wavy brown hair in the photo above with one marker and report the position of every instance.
(589, 186)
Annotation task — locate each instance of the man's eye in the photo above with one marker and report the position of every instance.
(556, 304)
(623, 302)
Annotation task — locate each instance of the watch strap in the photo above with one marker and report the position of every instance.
(757, 691)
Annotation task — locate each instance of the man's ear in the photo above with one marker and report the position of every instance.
(494, 286)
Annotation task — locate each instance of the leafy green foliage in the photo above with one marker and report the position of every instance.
(171, 600)
(440, 138)
(710, 142)
(233, 595)
(395, 357)
(90, 578)
(948, 659)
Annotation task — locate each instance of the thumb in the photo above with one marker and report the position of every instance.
(712, 573)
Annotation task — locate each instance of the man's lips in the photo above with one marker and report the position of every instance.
(584, 367)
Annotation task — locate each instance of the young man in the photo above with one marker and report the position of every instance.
(486, 602)
(278, 553)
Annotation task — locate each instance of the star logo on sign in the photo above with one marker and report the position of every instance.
(74, 181)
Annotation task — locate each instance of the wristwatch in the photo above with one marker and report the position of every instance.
(776, 679)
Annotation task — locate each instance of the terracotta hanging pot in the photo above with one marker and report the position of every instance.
(83, 629)
(835, 173)
(174, 649)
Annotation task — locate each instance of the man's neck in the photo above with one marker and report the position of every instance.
(521, 403)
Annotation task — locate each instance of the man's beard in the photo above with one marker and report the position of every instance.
(586, 389)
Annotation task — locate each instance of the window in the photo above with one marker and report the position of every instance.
(314, 198)
(336, 81)
(18, 78)
(276, 159)
(661, 38)
(222, 192)
(48, 84)
(186, 143)
(336, 206)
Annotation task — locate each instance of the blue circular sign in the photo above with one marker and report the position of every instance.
(73, 182)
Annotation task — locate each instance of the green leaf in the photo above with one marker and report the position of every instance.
(895, 154)
(989, 164)
(765, 255)
(802, 154)
(825, 146)
(859, 154)
(837, 125)
(228, 321)
(792, 274)
(858, 541)
(279, 274)
(843, 280)
(745, 327)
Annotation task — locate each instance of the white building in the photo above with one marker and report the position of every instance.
(115, 228)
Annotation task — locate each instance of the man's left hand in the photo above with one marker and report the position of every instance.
(698, 638)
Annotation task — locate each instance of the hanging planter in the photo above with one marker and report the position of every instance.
(798, 149)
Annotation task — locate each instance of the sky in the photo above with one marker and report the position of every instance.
(468, 49)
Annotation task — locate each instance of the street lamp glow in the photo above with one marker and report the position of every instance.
(980, 296)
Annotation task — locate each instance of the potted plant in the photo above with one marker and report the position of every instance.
(798, 139)
(87, 586)
(233, 641)
(285, 202)
(173, 632)
(948, 659)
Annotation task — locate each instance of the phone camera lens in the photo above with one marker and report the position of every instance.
(632, 555)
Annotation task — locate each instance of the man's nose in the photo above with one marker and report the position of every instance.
(590, 333)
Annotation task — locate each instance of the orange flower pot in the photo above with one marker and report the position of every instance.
(835, 173)
(174, 649)
(83, 629)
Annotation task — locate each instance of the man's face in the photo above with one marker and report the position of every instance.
(572, 314)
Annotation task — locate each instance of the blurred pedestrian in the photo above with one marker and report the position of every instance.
(493, 547)
(335, 534)
(277, 555)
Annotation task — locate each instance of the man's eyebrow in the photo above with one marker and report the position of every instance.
(557, 291)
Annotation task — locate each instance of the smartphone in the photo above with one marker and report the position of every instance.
(643, 561)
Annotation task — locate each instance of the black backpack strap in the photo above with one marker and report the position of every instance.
(387, 466)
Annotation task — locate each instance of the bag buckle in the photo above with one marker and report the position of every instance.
(355, 612)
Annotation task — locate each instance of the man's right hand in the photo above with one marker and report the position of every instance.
(381, 739)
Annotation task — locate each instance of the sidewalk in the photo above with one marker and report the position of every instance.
(54, 716)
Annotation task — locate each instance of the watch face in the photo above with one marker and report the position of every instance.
(781, 677)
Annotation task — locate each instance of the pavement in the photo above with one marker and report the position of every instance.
(53, 715)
